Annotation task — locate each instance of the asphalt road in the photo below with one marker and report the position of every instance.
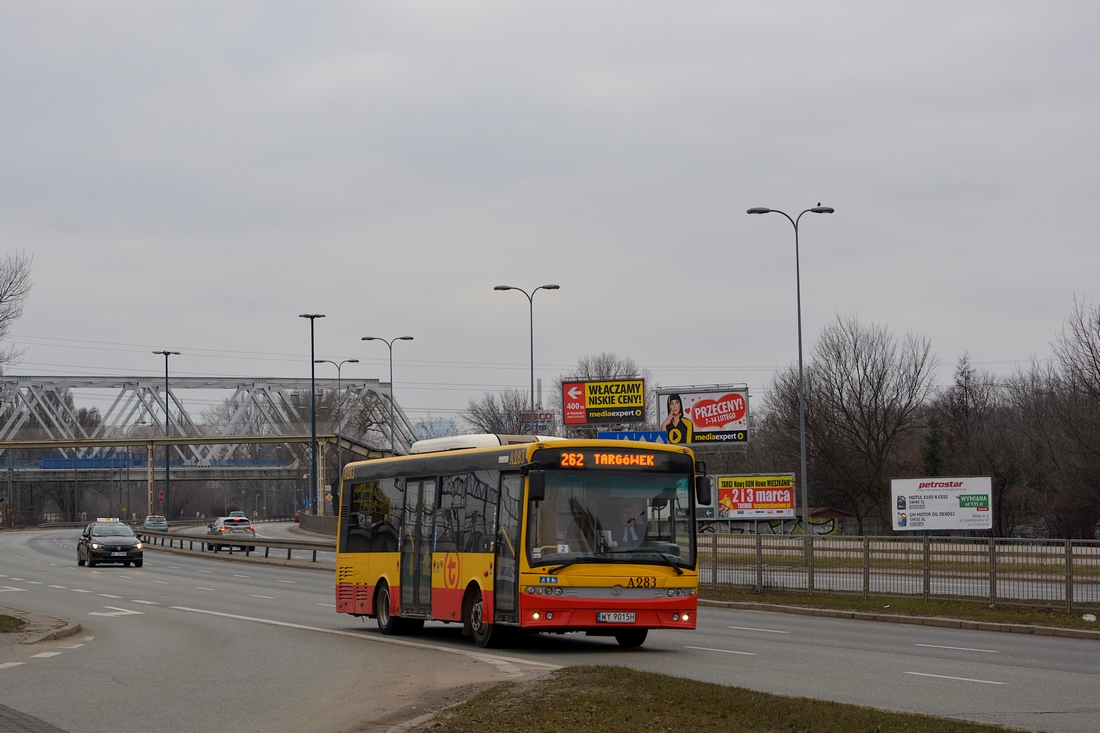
(189, 643)
(191, 637)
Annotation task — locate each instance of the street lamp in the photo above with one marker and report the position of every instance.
(389, 345)
(819, 209)
(167, 434)
(339, 399)
(312, 413)
(531, 303)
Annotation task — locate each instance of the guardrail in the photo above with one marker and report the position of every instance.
(268, 544)
(980, 569)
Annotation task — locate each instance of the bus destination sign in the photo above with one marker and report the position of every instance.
(604, 458)
(610, 401)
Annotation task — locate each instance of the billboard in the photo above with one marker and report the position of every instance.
(755, 496)
(942, 503)
(603, 401)
(716, 415)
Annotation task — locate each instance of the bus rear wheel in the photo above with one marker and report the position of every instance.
(632, 638)
(485, 635)
(388, 623)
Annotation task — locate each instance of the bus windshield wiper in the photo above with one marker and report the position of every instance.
(672, 563)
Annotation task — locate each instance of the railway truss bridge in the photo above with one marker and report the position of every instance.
(100, 429)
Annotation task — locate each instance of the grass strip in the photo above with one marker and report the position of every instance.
(10, 623)
(907, 606)
(588, 699)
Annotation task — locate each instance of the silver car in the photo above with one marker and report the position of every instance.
(233, 529)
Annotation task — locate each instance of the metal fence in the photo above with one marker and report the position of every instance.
(986, 570)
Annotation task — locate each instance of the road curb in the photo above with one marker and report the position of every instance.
(39, 627)
(64, 631)
(947, 623)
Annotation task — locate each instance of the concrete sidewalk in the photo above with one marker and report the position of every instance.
(39, 627)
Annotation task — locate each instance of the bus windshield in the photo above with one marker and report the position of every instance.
(612, 517)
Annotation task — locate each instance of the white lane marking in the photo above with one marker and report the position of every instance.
(957, 679)
(9, 665)
(128, 577)
(107, 595)
(18, 579)
(199, 587)
(4, 576)
(117, 612)
(161, 582)
(45, 655)
(292, 582)
(72, 646)
(270, 598)
(327, 605)
(174, 567)
(206, 571)
(508, 665)
(34, 582)
(9, 589)
(959, 648)
(240, 576)
(56, 586)
(78, 590)
(749, 628)
(724, 651)
(147, 603)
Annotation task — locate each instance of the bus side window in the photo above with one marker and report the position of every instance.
(386, 525)
(479, 527)
(448, 519)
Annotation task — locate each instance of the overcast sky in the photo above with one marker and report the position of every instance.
(193, 176)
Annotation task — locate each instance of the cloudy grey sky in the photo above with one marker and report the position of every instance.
(193, 176)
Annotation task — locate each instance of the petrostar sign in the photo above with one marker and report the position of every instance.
(611, 401)
(937, 503)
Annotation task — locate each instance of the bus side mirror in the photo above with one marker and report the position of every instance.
(536, 485)
(702, 490)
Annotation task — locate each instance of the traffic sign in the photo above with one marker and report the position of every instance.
(645, 436)
(162, 496)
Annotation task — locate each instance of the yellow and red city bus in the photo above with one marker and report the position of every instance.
(528, 534)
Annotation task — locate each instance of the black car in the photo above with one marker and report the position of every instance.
(109, 541)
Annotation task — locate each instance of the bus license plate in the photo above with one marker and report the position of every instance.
(614, 617)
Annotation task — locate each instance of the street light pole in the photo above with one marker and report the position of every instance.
(167, 434)
(389, 345)
(339, 399)
(531, 305)
(312, 413)
(819, 209)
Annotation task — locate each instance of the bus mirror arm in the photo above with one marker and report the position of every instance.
(702, 490)
(536, 485)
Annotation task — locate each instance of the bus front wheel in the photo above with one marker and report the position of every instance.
(485, 635)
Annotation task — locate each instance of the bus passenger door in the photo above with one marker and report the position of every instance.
(505, 590)
(416, 548)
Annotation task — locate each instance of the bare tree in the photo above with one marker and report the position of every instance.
(499, 413)
(1061, 407)
(981, 436)
(864, 397)
(15, 287)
